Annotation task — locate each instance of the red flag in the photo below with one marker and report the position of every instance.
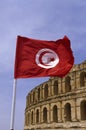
(39, 58)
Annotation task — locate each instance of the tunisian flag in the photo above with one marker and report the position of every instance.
(39, 58)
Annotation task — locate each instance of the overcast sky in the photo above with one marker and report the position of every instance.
(38, 19)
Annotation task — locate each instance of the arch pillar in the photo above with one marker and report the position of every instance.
(59, 112)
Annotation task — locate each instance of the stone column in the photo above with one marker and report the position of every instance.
(34, 114)
(41, 114)
(73, 111)
(78, 109)
(34, 117)
(59, 86)
(73, 80)
(63, 85)
(59, 112)
(63, 114)
(78, 113)
(36, 95)
(63, 119)
(48, 116)
(77, 79)
(52, 93)
(43, 91)
(52, 88)
(48, 89)
(51, 115)
(30, 118)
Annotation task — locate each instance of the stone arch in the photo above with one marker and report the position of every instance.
(46, 91)
(82, 79)
(45, 115)
(67, 112)
(83, 110)
(55, 87)
(37, 116)
(55, 113)
(67, 84)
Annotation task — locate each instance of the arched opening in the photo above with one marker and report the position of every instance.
(46, 91)
(37, 116)
(67, 112)
(45, 115)
(55, 88)
(67, 84)
(82, 79)
(83, 110)
(55, 118)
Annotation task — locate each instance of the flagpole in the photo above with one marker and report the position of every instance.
(13, 105)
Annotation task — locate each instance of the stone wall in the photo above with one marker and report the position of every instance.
(59, 103)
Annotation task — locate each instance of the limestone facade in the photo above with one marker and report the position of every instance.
(59, 103)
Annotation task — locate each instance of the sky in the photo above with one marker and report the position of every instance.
(38, 19)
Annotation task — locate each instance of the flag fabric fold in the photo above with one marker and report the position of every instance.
(40, 58)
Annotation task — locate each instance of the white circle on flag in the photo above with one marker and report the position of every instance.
(47, 58)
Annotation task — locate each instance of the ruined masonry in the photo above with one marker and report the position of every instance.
(59, 103)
